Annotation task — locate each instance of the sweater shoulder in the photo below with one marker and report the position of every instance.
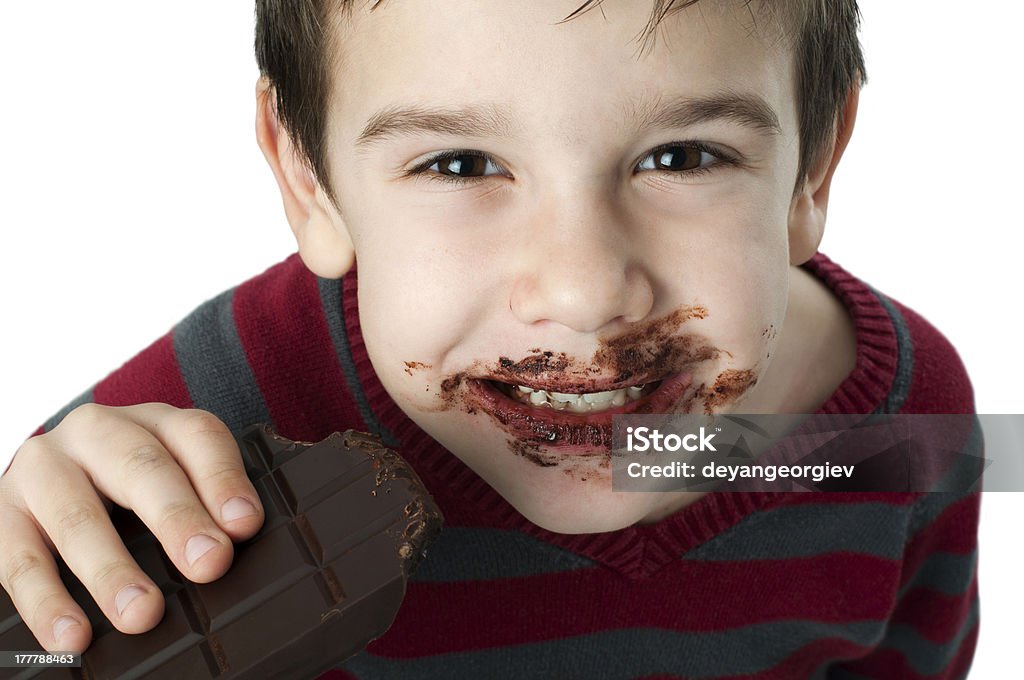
(267, 350)
(936, 375)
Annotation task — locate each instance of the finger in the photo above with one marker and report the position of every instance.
(80, 528)
(29, 574)
(208, 453)
(130, 466)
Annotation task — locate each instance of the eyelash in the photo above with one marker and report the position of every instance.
(721, 158)
(423, 169)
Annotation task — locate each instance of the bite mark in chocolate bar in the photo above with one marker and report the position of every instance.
(347, 522)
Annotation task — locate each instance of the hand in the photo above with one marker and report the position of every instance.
(179, 470)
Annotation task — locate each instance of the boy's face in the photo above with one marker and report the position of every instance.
(607, 220)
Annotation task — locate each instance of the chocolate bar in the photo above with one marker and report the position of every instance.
(347, 522)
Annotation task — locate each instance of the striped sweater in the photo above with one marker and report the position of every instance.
(737, 585)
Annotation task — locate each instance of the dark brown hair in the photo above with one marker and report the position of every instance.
(293, 39)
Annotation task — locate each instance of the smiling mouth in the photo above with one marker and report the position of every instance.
(576, 402)
(577, 421)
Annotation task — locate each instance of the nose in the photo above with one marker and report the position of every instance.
(579, 268)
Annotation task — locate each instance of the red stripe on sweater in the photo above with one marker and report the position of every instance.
(151, 375)
(953, 531)
(283, 331)
(714, 596)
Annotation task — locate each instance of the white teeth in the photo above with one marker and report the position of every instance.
(599, 397)
(578, 403)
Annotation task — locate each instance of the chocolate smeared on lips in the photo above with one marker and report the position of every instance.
(586, 402)
(648, 369)
(588, 433)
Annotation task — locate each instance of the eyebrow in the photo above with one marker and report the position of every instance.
(489, 120)
(467, 121)
(745, 109)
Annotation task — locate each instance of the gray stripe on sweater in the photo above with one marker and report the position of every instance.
(876, 529)
(841, 674)
(479, 554)
(945, 572)
(84, 398)
(214, 366)
(626, 653)
(905, 358)
(785, 532)
(331, 301)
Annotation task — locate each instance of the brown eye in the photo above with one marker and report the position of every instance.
(462, 165)
(677, 158)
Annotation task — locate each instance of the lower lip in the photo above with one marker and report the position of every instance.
(566, 432)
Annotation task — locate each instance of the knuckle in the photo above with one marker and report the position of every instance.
(198, 421)
(75, 516)
(21, 564)
(32, 452)
(107, 572)
(223, 474)
(143, 460)
(176, 515)
(84, 416)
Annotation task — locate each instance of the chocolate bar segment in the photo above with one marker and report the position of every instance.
(347, 522)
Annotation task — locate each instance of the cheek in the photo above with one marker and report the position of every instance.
(415, 314)
(731, 255)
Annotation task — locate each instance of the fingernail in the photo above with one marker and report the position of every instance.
(60, 626)
(236, 508)
(126, 596)
(197, 546)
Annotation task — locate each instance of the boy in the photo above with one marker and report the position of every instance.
(647, 217)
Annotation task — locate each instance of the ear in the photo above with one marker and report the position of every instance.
(325, 245)
(810, 204)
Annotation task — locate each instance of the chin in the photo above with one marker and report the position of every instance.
(581, 512)
(561, 524)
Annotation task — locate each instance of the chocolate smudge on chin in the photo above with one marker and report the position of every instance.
(532, 453)
(578, 470)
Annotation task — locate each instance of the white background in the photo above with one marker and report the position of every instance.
(131, 190)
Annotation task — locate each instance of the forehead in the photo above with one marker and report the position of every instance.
(553, 74)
